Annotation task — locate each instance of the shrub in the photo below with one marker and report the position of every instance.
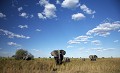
(23, 54)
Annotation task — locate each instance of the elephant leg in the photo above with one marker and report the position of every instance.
(95, 59)
(56, 60)
(91, 59)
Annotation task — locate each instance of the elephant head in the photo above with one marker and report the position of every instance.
(93, 57)
(58, 55)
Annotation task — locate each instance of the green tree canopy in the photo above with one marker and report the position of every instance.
(21, 53)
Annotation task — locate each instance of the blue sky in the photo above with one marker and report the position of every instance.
(80, 27)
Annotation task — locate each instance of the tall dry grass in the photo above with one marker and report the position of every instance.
(48, 66)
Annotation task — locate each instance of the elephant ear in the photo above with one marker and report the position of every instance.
(54, 53)
(62, 52)
(95, 56)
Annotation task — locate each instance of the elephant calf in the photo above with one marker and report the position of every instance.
(93, 57)
(58, 56)
(66, 59)
(83, 59)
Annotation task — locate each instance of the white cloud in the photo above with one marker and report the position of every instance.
(23, 26)
(104, 29)
(20, 9)
(40, 15)
(96, 42)
(78, 16)
(108, 49)
(13, 44)
(25, 15)
(118, 30)
(57, 2)
(36, 50)
(86, 9)
(100, 49)
(2, 15)
(43, 2)
(116, 41)
(70, 46)
(70, 3)
(12, 35)
(38, 30)
(49, 10)
(73, 42)
(31, 16)
(79, 39)
(97, 49)
(93, 16)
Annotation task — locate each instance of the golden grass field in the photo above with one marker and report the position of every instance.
(46, 65)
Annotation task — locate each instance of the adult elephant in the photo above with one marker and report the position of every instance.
(27, 58)
(58, 56)
(93, 57)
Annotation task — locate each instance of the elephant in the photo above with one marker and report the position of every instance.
(58, 56)
(26, 58)
(67, 59)
(93, 57)
(83, 59)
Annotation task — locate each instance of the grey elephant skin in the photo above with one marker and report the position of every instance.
(66, 59)
(93, 57)
(27, 58)
(58, 56)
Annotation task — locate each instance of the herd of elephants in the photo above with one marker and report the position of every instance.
(59, 56)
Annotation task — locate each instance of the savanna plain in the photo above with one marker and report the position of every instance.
(47, 65)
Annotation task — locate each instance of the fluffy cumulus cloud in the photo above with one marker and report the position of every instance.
(38, 30)
(78, 16)
(40, 15)
(12, 35)
(43, 2)
(23, 26)
(2, 15)
(70, 3)
(20, 9)
(86, 9)
(25, 15)
(104, 28)
(13, 44)
(49, 10)
(96, 42)
(79, 39)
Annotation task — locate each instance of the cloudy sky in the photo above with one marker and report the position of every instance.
(80, 27)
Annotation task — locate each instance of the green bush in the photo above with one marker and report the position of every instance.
(23, 54)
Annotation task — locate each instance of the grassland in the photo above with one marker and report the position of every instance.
(107, 65)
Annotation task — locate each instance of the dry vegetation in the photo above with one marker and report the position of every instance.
(48, 66)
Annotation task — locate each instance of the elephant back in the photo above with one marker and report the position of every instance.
(92, 56)
(55, 53)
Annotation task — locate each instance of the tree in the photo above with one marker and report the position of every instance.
(23, 54)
